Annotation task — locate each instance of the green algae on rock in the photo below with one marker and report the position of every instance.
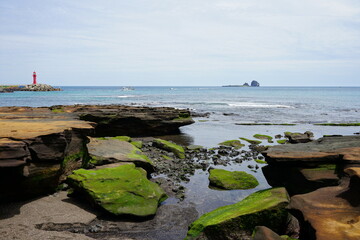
(120, 190)
(138, 144)
(171, 147)
(232, 143)
(260, 161)
(112, 150)
(251, 141)
(121, 138)
(264, 137)
(262, 208)
(228, 180)
(281, 141)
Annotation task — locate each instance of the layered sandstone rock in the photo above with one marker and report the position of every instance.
(345, 149)
(39, 147)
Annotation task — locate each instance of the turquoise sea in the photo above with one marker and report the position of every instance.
(226, 108)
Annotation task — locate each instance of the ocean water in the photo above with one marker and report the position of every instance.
(302, 106)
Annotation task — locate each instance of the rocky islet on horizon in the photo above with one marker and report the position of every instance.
(252, 84)
(40, 147)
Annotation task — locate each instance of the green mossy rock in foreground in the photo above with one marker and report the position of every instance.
(171, 147)
(119, 190)
(262, 208)
(232, 180)
(232, 143)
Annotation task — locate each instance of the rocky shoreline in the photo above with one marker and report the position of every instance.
(117, 173)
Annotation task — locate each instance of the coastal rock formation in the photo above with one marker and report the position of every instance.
(324, 178)
(345, 149)
(38, 88)
(330, 211)
(255, 83)
(237, 221)
(114, 150)
(299, 137)
(224, 179)
(171, 147)
(41, 146)
(119, 190)
(300, 180)
(34, 146)
(115, 120)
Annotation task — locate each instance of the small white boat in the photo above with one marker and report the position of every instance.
(127, 89)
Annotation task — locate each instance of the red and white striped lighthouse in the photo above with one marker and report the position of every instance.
(34, 77)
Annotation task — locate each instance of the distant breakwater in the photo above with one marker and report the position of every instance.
(30, 87)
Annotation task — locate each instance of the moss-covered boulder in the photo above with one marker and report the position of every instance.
(120, 190)
(118, 149)
(171, 147)
(232, 143)
(237, 221)
(224, 179)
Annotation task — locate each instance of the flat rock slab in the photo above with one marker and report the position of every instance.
(120, 190)
(108, 150)
(332, 212)
(19, 220)
(327, 149)
(26, 122)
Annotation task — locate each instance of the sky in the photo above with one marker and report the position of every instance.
(180, 42)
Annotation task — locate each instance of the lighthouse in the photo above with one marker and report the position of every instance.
(34, 77)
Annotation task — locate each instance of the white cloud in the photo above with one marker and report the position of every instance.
(154, 36)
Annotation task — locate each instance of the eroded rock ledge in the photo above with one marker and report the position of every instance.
(40, 146)
(323, 178)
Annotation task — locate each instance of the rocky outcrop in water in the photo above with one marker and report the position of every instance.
(237, 221)
(228, 180)
(115, 120)
(255, 83)
(41, 146)
(338, 149)
(323, 178)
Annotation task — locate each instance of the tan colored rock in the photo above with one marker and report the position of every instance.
(332, 212)
(112, 150)
(325, 150)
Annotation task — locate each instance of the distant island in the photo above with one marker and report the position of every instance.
(253, 84)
